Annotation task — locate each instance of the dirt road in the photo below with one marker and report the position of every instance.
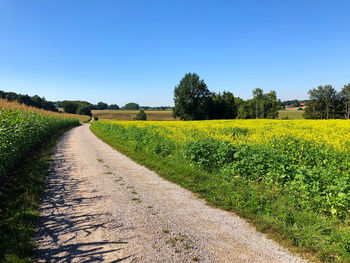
(99, 206)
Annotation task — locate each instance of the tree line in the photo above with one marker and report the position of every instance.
(326, 103)
(33, 101)
(84, 107)
(194, 101)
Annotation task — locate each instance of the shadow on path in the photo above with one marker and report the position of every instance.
(64, 225)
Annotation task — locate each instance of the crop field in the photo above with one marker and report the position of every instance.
(291, 114)
(289, 177)
(166, 115)
(22, 128)
(27, 137)
(128, 115)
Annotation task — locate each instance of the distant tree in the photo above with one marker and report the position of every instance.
(70, 107)
(37, 101)
(345, 95)
(2, 94)
(246, 109)
(258, 98)
(48, 105)
(11, 96)
(270, 105)
(323, 104)
(84, 109)
(131, 106)
(141, 115)
(224, 106)
(192, 98)
(102, 106)
(24, 99)
(113, 107)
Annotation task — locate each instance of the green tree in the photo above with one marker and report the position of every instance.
(84, 109)
(113, 107)
(102, 106)
(141, 116)
(192, 98)
(270, 105)
(323, 104)
(24, 99)
(70, 107)
(224, 106)
(258, 98)
(131, 106)
(37, 101)
(345, 95)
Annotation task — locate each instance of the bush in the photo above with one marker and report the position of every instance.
(141, 116)
(84, 110)
(70, 107)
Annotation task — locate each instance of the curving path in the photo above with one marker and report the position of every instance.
(100, 206)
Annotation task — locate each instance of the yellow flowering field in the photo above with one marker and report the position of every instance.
(292, 176)
(334, 133)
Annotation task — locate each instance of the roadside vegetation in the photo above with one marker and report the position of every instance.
(289, 178)
(27, 139)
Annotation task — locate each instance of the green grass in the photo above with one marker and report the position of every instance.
(20, 193)
(291, 114)
(319, 238)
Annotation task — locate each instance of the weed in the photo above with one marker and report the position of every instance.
(172, 241)
(138, 199)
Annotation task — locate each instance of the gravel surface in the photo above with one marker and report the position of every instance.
(100, 206)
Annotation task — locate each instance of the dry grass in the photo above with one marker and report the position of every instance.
(7, 105)
(128, 115)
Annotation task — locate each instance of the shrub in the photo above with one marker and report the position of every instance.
(141, 116)
(84, 110)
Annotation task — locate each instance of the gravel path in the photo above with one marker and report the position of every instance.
(99, 206)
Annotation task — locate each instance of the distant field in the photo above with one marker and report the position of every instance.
(128, 115)
(291, 114)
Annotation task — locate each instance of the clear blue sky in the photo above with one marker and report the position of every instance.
(122, 51)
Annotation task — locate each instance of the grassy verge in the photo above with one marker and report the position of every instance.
(270, 209)
(20, 193)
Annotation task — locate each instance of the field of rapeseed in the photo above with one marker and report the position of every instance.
(289, 177)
